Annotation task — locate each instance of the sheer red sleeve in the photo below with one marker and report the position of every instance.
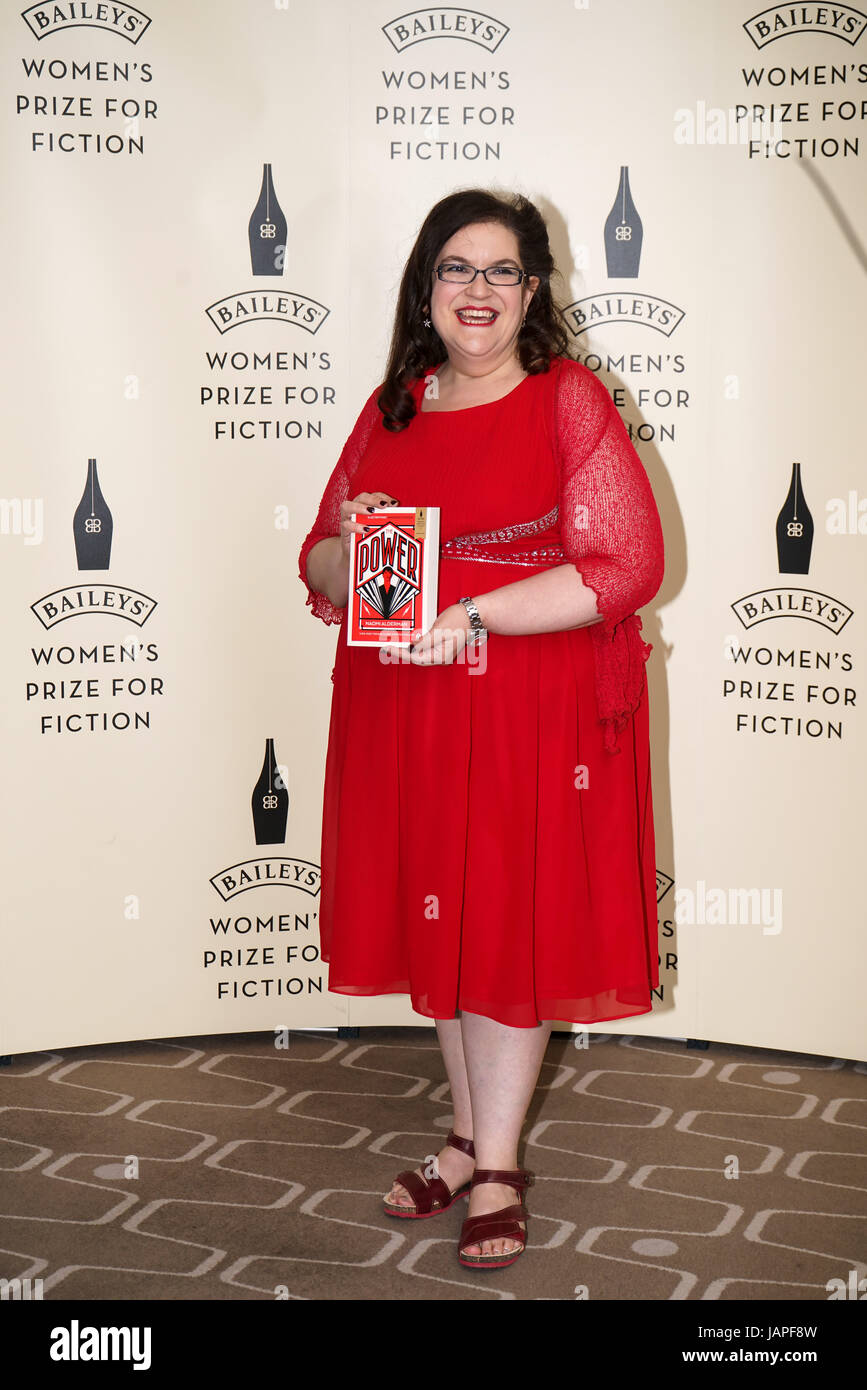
(609, 524)
(327, 521)
(610, 530)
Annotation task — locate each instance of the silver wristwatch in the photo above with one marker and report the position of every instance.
(477, 633)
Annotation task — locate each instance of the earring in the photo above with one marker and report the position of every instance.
(427, 323)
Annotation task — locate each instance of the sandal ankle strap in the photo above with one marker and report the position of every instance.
(457, 1142)
(519, 1178)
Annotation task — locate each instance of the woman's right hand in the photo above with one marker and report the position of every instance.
(357, 504)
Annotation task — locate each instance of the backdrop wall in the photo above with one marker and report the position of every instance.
(172, 414)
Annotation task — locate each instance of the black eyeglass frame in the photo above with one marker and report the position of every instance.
(524, 274)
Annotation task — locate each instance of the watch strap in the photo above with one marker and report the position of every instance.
(478, 631)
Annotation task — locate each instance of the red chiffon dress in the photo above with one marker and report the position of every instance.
(487, 835)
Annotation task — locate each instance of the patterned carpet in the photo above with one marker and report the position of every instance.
(227, 1168)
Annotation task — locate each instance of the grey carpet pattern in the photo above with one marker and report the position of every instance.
(226, 1168)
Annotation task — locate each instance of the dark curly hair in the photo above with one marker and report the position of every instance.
(415, 348)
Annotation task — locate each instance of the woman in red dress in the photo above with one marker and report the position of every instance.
(494, 780)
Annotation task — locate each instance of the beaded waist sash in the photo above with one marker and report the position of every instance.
(493, 546)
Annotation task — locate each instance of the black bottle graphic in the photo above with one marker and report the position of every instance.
(794, 529)
(267, 230)
(270, 801)
(92, 525)
(623, 233)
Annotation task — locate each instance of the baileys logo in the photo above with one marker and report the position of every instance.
(279, 935)
(623, 236)
(448, 23)
(787, 602)
(92, 530)
(838, 21)
(270, 809)
(267, 242)
(794, 543)
(646, 310)
(123, 20)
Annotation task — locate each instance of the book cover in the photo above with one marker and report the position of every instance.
(393, 574)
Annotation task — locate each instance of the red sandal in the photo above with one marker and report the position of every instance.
(497, 1225)
(434, 1196)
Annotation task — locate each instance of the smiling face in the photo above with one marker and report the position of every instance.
(479, 323)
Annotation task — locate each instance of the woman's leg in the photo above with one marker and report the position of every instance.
(454, 1167)
(492, 1071)
(502, 1066)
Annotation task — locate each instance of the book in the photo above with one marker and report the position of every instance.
(393, 576)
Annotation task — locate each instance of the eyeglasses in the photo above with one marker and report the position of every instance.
(459, 273)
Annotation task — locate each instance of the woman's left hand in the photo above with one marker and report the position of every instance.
(444, 640)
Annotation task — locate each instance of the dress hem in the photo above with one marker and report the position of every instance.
(367, 991)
